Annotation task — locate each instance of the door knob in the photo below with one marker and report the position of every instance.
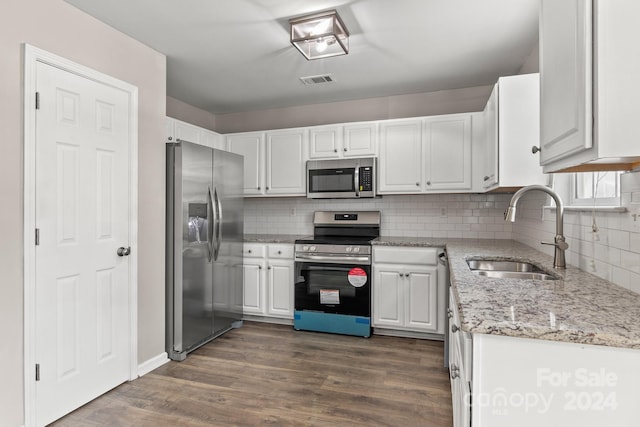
(122, 251)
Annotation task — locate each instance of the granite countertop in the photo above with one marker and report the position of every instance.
(272, 238)
(579, 308)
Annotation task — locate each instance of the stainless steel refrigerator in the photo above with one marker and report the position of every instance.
(204, 272)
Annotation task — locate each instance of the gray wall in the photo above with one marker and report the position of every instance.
(390, 107)
(59, 28)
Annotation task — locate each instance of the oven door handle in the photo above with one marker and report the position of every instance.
(361, 259)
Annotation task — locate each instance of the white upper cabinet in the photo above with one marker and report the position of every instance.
(251, 146)
(447, 152)
(179, 130)
(325, 142)
(427, 155)
(511, 129)
(400, 169)
(286, 162)
(589, 84)
(360, 139)
(337, 141)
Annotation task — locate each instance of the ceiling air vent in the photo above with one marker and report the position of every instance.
(312, 80)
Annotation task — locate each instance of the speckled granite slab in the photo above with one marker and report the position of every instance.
(578, 308)
(272, 238)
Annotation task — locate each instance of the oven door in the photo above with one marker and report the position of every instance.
(333, 288)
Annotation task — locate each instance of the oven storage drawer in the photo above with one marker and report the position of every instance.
(405, 255)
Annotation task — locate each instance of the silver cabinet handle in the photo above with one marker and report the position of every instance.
(279, 252)
(269, 268)
(455, 328)
(407, 274)
(170, 138)
(428, 182)
(122, 251)
(266, 188)
(401, 275)
(259, 267)
(417, 184)
(449, 313)
(535, 149)
(345, 148)
(259, 187)
(335, 150)
(249, 251)
(486, 178)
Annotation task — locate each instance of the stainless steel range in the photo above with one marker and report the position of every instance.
(333, 273)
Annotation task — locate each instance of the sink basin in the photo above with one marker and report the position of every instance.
(504, 269)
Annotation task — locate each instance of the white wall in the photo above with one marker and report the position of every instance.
(188, 113)
(55, 26)
(465, 215)
(613, 252)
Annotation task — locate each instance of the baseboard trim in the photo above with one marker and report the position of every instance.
(155, 362)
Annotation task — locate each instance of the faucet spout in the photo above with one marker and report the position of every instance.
(559, 241)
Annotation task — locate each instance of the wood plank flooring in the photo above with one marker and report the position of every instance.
(271, 375)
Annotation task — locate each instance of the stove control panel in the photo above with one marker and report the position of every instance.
(333, 249)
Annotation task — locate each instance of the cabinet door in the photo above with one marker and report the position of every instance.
(250, 145)
(565, 78)
(186, 132)
(280, 284)
(286, 157)
(388, 297)
(360, 140)
(325, 142)
(254, 286)
(447, 155)
(421, 299)
(489, 172)
(212, 139)
(400, 168)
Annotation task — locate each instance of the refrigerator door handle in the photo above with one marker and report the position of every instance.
(210, 214)
(218, 226)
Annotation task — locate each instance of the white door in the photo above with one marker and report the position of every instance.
(250, 145)
(421, 299)
(286, 161)
(400, 157)
(447, 152)
(388, 297)
(280, 288)
(82, 210)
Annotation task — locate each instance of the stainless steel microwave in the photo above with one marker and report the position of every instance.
(341, 179)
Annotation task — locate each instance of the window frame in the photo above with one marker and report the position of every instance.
(574, 200)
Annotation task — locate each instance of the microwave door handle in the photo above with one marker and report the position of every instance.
(356, 179)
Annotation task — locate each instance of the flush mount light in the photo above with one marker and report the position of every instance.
(320, 35)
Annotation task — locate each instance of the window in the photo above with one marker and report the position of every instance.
(595, 189)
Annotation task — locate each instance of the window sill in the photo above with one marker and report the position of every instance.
(619, 209)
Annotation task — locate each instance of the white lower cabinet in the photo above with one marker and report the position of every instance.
(268, 280)
(503, 381)
(408, 290)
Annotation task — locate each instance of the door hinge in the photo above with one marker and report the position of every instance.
(37, 236)
(37, 100)
(37, 372)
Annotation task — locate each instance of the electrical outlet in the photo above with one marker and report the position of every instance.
(292, 211)
(443, 212)
(635, 217)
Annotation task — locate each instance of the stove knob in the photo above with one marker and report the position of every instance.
(312, 248)
(348, 248)
(305, 248)
(356, 249)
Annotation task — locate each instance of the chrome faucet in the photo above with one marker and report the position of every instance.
(559, 241)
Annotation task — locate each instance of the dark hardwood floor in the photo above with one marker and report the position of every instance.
(271, 375)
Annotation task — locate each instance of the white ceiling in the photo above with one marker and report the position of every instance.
(234, 55)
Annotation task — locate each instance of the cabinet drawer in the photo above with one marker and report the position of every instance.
(280, 251)
(254, 250)
(405, 255)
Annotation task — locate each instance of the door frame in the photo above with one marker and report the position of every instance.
(33, 55)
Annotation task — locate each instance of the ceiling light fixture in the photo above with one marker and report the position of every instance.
(320, 35)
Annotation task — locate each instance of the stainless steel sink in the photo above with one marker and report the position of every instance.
(504, 269)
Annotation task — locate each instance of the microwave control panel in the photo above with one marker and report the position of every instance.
(366, 178)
